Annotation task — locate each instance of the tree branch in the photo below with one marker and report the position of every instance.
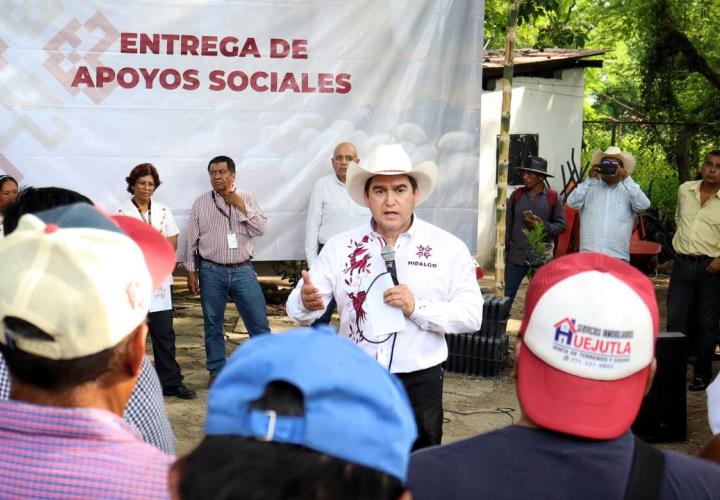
(695, 61)
(569, 12)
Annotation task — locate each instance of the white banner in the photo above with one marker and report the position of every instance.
(89, 89)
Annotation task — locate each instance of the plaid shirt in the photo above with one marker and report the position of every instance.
(212, 220)
(52, 452)
(145, 411)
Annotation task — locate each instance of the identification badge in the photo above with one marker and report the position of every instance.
(232, 241)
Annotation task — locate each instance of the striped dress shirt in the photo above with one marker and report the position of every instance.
(145, 411)
(52, 452)
(212, 220)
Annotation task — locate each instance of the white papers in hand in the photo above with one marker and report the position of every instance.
(383, 319)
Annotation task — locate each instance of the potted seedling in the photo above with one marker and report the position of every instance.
(539, 249)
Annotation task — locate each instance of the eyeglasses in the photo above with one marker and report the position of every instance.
(347, 158)
(215, 173)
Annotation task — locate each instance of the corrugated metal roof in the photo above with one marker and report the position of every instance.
(536, 62)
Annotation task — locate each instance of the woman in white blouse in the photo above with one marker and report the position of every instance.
(142, 183)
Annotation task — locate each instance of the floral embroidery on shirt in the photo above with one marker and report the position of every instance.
(357, 301)
(359, 257)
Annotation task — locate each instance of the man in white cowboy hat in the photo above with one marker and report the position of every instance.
(608, 201)
(437, 291)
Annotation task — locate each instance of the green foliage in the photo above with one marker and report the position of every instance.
(288, 270)
(649, 75)
(538, 246)
(541, 24)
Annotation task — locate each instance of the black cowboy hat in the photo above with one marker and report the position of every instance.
(536, 165)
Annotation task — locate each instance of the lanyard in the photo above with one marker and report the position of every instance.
(149, 212)
(225, 214)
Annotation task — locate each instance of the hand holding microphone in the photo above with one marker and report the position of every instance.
(400, 295)
(388, 255)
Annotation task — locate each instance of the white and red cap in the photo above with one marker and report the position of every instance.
(588, 336)
(82, 277)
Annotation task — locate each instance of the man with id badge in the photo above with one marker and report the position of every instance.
(218, 258)
(400, 283)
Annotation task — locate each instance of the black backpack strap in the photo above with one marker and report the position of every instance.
(646, 472)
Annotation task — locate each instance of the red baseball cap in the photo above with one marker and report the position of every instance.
(588, 336)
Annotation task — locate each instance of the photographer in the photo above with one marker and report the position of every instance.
(608, 201)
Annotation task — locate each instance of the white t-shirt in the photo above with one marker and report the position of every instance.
(161, 218)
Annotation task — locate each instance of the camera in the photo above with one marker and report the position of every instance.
(608, 167)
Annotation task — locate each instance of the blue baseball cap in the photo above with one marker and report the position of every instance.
(355, 409)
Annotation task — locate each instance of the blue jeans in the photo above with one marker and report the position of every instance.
(514, 275)
(240, 284)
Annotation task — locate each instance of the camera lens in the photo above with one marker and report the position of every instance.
(608, 167)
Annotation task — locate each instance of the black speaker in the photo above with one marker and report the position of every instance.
(663, 414)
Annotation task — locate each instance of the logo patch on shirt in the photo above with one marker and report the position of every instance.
(424, 251)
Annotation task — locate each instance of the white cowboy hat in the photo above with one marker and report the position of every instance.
(614, 152)
(390, 159)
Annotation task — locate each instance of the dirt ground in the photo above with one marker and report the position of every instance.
(472, 405)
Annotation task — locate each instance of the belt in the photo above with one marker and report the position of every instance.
(238, 264)
(694, 258)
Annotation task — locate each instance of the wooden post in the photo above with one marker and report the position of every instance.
(501, 199)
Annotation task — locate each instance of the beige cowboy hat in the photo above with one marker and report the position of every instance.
(390, 159)
(617, 153)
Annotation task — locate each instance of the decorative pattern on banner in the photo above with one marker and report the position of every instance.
(90, 89)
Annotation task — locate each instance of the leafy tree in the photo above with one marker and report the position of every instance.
(541, 24)
(679, 56)
(660, 80)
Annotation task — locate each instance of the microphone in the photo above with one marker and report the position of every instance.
(388, 255)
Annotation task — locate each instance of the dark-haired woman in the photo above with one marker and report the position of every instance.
(142, 183)
(8, 195)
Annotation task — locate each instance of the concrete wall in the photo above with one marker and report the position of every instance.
(551, 108)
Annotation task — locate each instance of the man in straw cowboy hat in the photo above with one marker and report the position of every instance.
(437, 291)
(535, 203)
(608, 201)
